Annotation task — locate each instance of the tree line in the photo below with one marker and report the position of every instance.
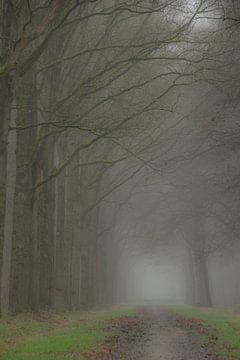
(87, 91)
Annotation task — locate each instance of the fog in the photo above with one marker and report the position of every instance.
(119, 154)
(151, 282)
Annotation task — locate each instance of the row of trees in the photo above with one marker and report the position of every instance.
(89, 92)
(192, 204)
(78, 95)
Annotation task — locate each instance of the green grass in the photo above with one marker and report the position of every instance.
(221, 326)
(57, 337)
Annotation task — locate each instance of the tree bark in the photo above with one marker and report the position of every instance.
(203, 294)
(60, 281)
(203, 285)
(23, 204)
(190, 279)
(8, 219)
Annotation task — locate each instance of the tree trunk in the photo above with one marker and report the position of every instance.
(60, 281)
(74, 236)
(42, 246)
(8, 218)
(5, 109)
(190, 279)
(23, 206)
(202, 280)
(203, 295)
(46, 203)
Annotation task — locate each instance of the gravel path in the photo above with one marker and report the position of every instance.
(158, 336)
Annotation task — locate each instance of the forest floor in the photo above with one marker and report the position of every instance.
(153, 333)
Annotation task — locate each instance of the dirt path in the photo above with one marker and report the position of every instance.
(159, 336)
(167, 340)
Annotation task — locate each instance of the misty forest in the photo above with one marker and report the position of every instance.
(119, 179)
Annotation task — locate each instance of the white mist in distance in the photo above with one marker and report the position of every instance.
(150, 281)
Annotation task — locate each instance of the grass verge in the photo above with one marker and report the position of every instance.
(219, 329)
(58, 337)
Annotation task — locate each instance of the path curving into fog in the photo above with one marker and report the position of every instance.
(160, 336)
